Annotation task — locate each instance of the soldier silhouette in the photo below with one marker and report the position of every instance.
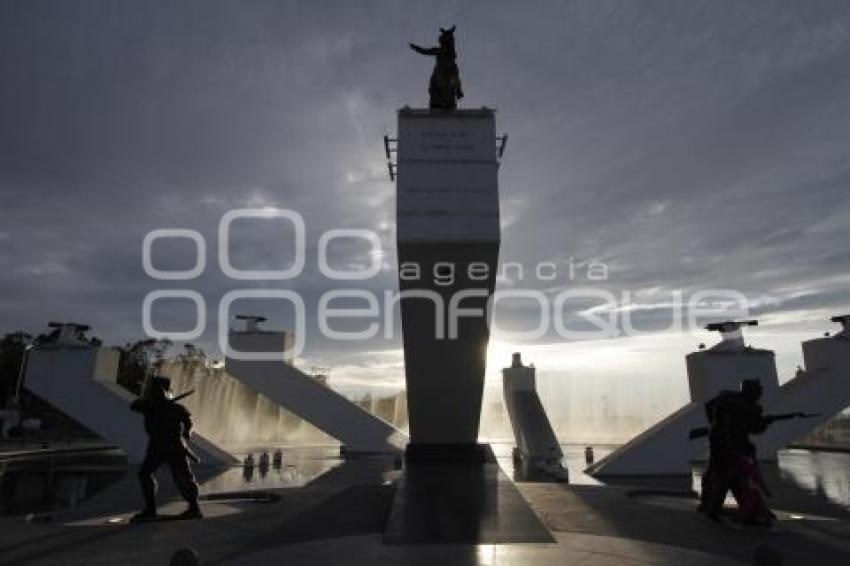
(733, 461)
(168, 425)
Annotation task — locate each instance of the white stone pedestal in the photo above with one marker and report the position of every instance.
(448, 231)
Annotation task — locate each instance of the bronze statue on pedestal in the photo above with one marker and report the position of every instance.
(444, 88)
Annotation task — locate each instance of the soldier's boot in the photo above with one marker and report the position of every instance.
(192, 512)
(188, 487)
(144, 515)
(148, 484)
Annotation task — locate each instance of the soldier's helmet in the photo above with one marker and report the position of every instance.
(751, 387)
(159, 386)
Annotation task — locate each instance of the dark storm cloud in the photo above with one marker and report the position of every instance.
(686, 144)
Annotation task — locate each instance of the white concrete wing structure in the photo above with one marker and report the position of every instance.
(80, 380)
(536, 442)
(357, 429)
(823, 388)
(661, 450)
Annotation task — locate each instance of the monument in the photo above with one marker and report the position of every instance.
(448, 247)
(447, 222)
(446, 174)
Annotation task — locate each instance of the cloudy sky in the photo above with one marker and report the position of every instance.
(687, 145)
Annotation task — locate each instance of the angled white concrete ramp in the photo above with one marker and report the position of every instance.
(79, 380)
(356, 428)
(661, 450)
(536, 442)
(822, 388)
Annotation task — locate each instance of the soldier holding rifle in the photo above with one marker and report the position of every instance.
(168, 425)
(733, 416)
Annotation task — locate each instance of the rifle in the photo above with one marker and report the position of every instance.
(701, 431)
(698, 432)
(788, 416)
(172, 400)
(181, 396)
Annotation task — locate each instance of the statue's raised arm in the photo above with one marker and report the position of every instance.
(424, 50)
(444, 89)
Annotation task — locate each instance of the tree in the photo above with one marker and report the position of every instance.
(12, 347)
(137, 359)
(192, 353)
